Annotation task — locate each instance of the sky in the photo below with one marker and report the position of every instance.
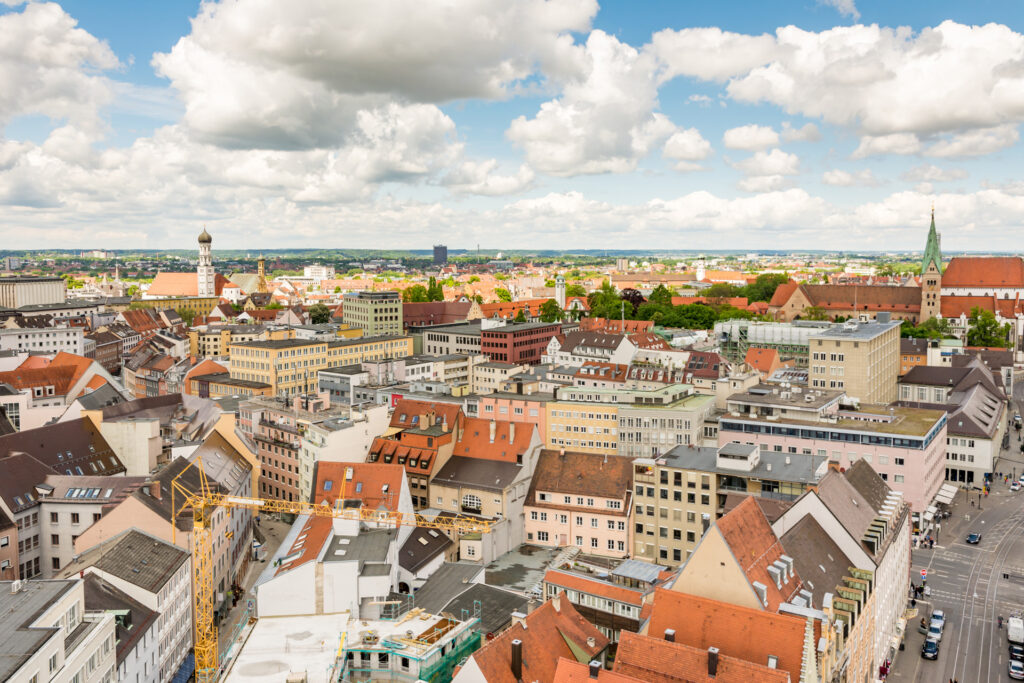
(540, 124)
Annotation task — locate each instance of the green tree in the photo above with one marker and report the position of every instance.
(187, 315)
(550, 311)
(474, 278)
(415, 294)
(985, 330)
(319, 314)
(575, 289)
(478, 298)
(814, 313)
(933, 328)
(337, 290)
(605, 303)
(274, 306)
(763, 288)
(521, 315)
(661, 295)
(722, 290)
(549, 283)
(502, 294)
(434, 291)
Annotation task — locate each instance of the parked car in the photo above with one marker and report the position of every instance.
(974, 539)
(935, 631)
(939, 616)
(1016, 670)
(1017, 652)
(930, 649)
(1015, 486)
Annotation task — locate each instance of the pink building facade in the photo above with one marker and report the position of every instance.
(906, 446)
(582, 500)
(513, 408)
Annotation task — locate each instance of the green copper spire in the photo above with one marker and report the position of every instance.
(932, 254)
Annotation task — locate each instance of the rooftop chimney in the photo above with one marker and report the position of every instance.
(154, 490)
(712, 661)
(595, 668)
(670, 635)
(511, 432)
(494, 427)
(517, 660)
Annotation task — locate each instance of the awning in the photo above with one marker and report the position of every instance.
(929, 515)
(946, 494)
(185, 671)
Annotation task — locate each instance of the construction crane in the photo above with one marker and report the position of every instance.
(206, 500)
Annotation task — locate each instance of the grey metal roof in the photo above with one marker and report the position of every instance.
(101, 595)
(639, 570)
(368, 546)
(421, 547)
(495, 604)
(819, 562)
(792, 467)
(20, 609)
(475, 472)
(448, 582)
(140, 559)
(856, 330)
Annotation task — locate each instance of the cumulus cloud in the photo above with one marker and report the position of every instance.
(896, 143)
(686, 147)
(323, 68)
(976, 142)
(775, 162)
(883, 81)
(847, 8)
(805, 133)
(710, 54)
(750, 138)
(51, 67)
(841, 178)
(604, 121)
(933, 174)
(480, 178)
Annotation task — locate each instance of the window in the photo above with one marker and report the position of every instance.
(54, 539)
(53, 518)
(472, 502)
(74, 518)
(542, 535)
(533, 514)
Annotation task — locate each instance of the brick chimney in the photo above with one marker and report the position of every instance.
(154, 490)
(494, 428)
(517, 660)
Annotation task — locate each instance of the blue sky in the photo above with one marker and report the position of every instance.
(556, 124)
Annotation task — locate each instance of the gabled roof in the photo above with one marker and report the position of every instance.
(587, 474)
(740, 632)
(422, 546)
(419, 314)
(984, 271)
(408, 412)
(71, 447)
(605, 372)
(755, 547)
(553, 630)
(704, 365)
(594, 586)
(648, 340)
(511, 440)
(182, 284)
(102, 596)
(307, 545)
(656, 660)
(910, 346)
(817, 558)
(571, 671)
(20, 473)
(61, 372)
(851, 508)
(613, 326)
(761, 359)
(599, 340)
(141, 560)
(377, 485)
(866, 481)
(477, 473)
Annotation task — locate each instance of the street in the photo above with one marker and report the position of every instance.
(973, 584)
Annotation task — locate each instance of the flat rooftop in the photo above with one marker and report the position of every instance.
(278, 343)
(902, 421)
(227, 379)
(357, 341)
(789, 467)
(774, 395)
(20, 609)
(521, 569)
(278, 646)
(861, 331)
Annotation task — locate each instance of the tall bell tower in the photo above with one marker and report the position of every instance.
(931, 275)
(204, 272)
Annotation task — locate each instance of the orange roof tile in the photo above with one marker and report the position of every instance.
(510, 439)
(656, 660)
(597, 587)
(755, 547)
(408, 412)
(545, 639)
(377, 485)
(984, 271)
(606, 372)
(571, 671)
(182, 284)
(740, 632)
(763, 360)
(782, 294)
(95, 383)
(307, 545)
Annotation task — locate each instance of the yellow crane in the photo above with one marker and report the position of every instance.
(206, 500)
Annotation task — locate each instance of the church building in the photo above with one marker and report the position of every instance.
(205, 282)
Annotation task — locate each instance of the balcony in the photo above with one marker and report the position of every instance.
(283, 427)
(294, 445)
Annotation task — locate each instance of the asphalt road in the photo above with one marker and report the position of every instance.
(973, 584)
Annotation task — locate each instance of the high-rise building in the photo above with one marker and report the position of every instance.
(440, 254)
(204, 271)
(376, 312)
(560, 291)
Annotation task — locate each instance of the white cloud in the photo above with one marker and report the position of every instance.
(686, 147)
(51, 67)
(323, 67)
(976, 142)
(763, 183)
(841, 178)
(931, 173)
(604, 122)
(750, 138)
(896, 143)
(847, 8)
(479, 178)
(702, 100)
(775, 162)
(710, 54)
(806, 133)
(882, 81)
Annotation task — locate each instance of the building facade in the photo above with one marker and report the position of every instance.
(27, 290)
(377, 313)
(859, 357)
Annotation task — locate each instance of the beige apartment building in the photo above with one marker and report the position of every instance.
(584, 427)
(376, 313)
(360, 349)
(861, 358)
(289, 366)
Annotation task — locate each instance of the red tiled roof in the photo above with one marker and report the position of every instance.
(182, 284)
(510, 439)
(755, 547)
(984, 271)
(509, 309)
(545, 639)
(740, 632)
(571, 671)
(853, 297)
(434, 312)
(646, 340)
(608, 372)
(763, 360)
(408, 411)
(656, 660)
(782, 294)
(388, 450)
(62, 371)
(955, 306)
(377, 485)
(597, 587)
(308, 543)
(615, 326)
